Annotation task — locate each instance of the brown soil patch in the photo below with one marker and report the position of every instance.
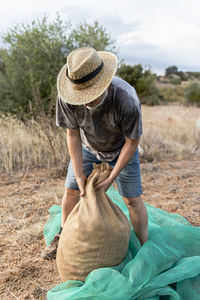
(171, 185)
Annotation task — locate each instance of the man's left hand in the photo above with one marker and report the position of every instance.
(104, 185)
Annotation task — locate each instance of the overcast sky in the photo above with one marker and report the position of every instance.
(158, 33)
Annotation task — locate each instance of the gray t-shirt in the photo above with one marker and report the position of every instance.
(104, 129)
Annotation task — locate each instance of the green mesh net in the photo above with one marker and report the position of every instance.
(166, 267)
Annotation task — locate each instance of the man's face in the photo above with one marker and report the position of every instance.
(95, 103)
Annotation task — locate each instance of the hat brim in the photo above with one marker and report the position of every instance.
(77, 97)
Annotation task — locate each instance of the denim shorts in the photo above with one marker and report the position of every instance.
(128, 181)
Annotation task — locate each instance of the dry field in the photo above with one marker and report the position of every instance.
(170, 175)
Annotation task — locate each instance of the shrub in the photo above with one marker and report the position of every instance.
(194, 74)
(183, 75)
(192, 92)
(172, 94)
(175, 81)
(142, 80)
(153, 96)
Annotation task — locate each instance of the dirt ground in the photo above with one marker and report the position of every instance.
(171, 185)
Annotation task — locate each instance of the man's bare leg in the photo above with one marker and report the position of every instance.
(138, 217)
(70, 199)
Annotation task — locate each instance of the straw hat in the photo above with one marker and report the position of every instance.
(86, 75)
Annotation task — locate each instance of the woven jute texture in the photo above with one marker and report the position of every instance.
(96, 233)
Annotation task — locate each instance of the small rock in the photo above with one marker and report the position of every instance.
(174, 190)
(26, 214)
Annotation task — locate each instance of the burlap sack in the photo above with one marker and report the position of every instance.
(96, 233)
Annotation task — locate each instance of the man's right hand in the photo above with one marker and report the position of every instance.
(81, 181)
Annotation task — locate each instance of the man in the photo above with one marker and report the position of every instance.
(103, 119)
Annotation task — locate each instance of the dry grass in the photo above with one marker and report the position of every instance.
(24, 210)
(25, 146)
(169, 132)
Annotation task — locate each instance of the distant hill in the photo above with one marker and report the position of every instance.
(174, 76)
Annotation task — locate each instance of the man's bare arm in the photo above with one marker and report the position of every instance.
(125, 156)
(75, 151)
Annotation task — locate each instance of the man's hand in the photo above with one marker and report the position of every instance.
(81, 181)
(104, 185)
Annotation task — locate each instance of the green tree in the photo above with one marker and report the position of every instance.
(171, 70)
(32, 57)
(142, 80)
(92, 35)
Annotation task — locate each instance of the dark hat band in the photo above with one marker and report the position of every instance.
(87, 77)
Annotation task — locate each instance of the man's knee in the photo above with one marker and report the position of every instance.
(71, 195)
(133, 202)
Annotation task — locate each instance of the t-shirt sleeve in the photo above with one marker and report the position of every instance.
(65, 116)
(131, 119)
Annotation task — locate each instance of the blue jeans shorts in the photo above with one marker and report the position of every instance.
(128, 181)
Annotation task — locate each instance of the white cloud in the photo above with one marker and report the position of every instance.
(162, 32)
